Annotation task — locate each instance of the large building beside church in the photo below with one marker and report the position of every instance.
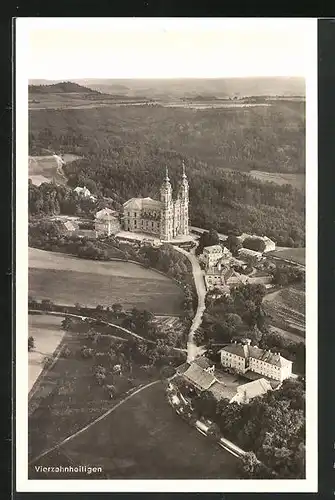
(166, 218)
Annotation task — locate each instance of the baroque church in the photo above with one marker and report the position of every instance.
(166, 218)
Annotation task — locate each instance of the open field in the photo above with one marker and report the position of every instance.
(296, 180)
(287, 310)
(66, 280)
(145, 439)
(48, 168)
(48, 335)
(293, 254)
(69, 397)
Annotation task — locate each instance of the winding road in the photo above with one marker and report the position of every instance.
(118, 327)
(192, 349)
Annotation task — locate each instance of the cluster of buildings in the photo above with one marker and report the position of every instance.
(220, 265)
(259, 370)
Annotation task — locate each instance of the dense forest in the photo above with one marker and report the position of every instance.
(125, 150)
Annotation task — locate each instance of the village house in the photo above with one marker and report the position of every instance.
(215, 254)
(244, 357)
(223, 277)
(250, 390)
(250, 256)
(106, 222)
(83, 192)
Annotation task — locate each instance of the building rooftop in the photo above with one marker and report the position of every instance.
(273, 358)
(142, 203)
(248, 351)
(247, 251)
(106, 212)
(237, 349)
(199, 377)
(183, 368)
(251, 390)
(221, 391)
(213, 248)
(203, 362)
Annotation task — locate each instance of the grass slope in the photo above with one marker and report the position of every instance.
(46, 169)
(293, 254)
(286, 309)
(145, 439)
(66, 280)
(47, 334)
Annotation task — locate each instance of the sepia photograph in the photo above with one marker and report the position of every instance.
(166, 206)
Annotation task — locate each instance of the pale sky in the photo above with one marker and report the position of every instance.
(73, 48)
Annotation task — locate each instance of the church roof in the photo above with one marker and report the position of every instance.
(142, 203)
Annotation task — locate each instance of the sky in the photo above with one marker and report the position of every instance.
(74, 48)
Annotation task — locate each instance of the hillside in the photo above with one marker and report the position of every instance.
(61, 87)
(124, 151)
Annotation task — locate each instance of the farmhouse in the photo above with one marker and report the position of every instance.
(83, 192)
(223, 278)
(250, 255)
(250, 390)
(106, 222)
(244, 357)
(201, 375)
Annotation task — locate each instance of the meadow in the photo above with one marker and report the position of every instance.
(67, 280)
(292, 254)
(286, 309)
(295, 180)
(46, 169)
(47, 334)
(145, 439)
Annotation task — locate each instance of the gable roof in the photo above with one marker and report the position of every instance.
(142, 203)
(183, 368)
(253, 389)
(199, 377)
(213, 248)
(221, 391)
(71, 226)
(203, 362)
(105, 213)
(237, 349)
(267, 356)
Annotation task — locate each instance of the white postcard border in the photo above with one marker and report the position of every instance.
(23, 484)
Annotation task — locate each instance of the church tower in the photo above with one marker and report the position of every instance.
(184, 202)
(166, 222)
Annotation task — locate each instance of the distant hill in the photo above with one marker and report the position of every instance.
(61, 87)
(191, 87)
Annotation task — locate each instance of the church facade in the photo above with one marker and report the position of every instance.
(166, 218)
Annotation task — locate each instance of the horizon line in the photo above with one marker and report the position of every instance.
(167, 77)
